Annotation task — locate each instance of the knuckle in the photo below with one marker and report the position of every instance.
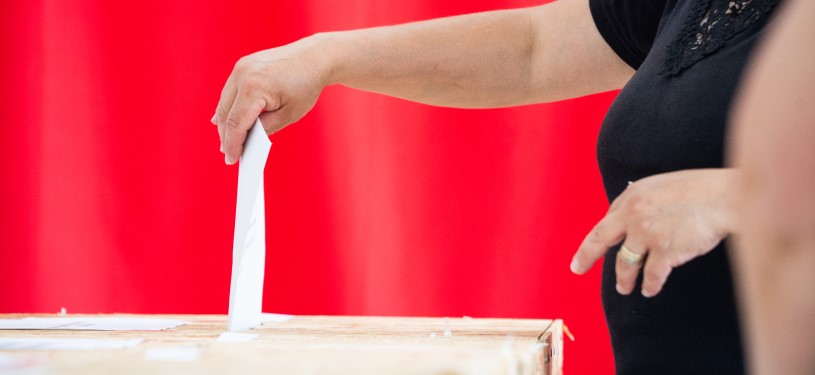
(583, 252)
(233, 123)
(583, 245)
(252, 83)
(660, 242)
(652, 275)
(256, 87)
(644, 225)
(664, 242)
(249, 66)
(639, 206)
(239, 68)
(625, 283)
(243, 64)
(222, 108)
(625, 269)
(597, 232)
(615, 204)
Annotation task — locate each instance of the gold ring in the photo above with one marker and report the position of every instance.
(629, 256)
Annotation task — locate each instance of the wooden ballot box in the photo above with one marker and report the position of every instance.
(312, 345)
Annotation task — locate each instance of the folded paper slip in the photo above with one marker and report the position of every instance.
(249, 243)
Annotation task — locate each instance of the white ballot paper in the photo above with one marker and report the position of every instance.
(275, 318)
(249, 244)
(46, 343)
(235, 337)
(91, 324)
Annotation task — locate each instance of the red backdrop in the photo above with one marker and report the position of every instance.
(115, 197)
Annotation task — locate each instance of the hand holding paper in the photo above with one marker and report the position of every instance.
(249, 244)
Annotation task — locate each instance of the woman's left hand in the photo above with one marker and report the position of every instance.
(668, 219)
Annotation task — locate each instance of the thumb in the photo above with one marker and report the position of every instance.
(273, 121)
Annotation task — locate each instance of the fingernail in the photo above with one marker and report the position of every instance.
(619, 289)
(222, 148)
(575, 266)
(214, 119)
(228, 160)
(647, 294)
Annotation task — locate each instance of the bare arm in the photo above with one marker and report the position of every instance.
(774, 144)
(485, 60)
(492, 59)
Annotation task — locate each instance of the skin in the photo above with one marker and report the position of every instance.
(488, 60)
(774, 143)
(483, 60)
(674, 216)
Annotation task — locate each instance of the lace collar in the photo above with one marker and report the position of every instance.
(709, 26)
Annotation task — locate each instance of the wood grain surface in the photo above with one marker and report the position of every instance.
(315, 345)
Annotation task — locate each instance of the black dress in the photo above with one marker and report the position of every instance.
(689, 56)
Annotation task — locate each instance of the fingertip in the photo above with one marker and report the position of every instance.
(650, 288)
(621, 290)
(655, 274)
(234, 137)
(214, 119)
(232, 147)
(232, 154)
(229, 160)
(575, 266)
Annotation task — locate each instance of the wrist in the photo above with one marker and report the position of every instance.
(729, 200)
(325, 51)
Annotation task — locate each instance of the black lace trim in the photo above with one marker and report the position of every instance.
(711, 24)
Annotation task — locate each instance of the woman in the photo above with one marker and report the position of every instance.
(660, 149)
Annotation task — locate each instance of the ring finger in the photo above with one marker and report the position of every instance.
(628, 263)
